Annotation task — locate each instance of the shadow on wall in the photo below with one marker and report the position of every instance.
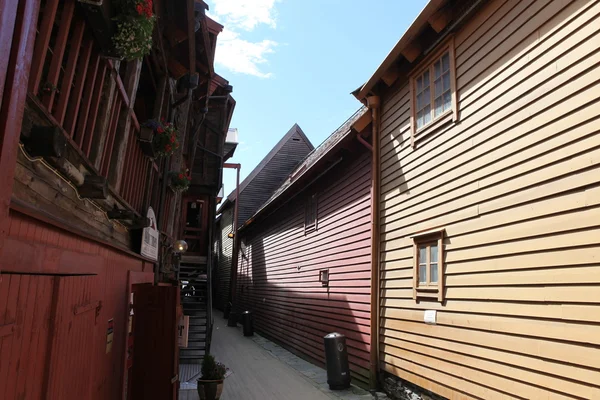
(279, 266)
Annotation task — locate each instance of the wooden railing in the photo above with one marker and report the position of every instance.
(82, 92)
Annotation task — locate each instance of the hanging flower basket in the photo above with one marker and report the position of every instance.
(163, 136)
(180, 181)
(134, 27)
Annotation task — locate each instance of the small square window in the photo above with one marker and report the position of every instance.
(428, 265)
(324, 277)
(310, 216)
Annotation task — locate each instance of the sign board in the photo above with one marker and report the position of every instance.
(109, 335)
(183, 329)
(150, 237)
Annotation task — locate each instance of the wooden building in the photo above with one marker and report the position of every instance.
(81, 310)
(254, 191)
(304, 265)
(488, 195)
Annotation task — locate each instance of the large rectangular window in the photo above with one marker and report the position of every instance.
(433, 90)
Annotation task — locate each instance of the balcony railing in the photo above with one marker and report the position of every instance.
(80, 91)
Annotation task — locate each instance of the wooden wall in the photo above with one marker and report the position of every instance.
(516, 185)
(52, 335)
(224, 249)
(278, 273)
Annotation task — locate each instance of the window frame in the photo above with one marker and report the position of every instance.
(311, 212)
(428, 65)
(428, 290)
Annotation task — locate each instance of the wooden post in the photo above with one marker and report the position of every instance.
(19, 46)
(132, 79)
(101, 131)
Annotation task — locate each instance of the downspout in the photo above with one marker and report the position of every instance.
(373, 104)
(232, 321)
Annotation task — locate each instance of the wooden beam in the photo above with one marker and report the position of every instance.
(391, 75)
(439, 20)
(360, 124)
(191, 36)
(412, 51)
(19, 47)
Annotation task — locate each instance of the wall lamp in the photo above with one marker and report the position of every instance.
(180, 247)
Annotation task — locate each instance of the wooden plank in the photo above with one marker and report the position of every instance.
(112, 133)
(74, 103)
(58, 52)
(8, 16)
(95, 103)
(67, 81)
(16, 79)
(84, 116)
(41, 45)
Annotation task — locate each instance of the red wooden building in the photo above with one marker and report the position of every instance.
(304, 260)
(83, 315)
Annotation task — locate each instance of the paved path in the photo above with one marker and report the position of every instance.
(262, 370)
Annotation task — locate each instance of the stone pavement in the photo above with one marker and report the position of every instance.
(263, 370)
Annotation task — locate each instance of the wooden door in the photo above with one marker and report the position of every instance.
(154, 372)
(194, 221)
(73, 328)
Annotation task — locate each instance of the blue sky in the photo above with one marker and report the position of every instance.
(296, 61)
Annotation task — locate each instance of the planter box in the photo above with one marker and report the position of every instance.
(146, 137)
(99, 14)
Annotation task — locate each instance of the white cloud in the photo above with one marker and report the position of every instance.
(234, 52)
(242, 56)
(245, 14)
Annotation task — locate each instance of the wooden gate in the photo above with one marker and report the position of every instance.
(155, 355)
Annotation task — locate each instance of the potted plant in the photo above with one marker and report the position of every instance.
(210, 385)
(135, 24)
(180, 181)
(158, 139)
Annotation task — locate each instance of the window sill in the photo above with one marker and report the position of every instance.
(427, 293)
(444, 120)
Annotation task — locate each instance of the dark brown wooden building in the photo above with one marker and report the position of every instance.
(304, 264)
(254, 191)
(81, 310)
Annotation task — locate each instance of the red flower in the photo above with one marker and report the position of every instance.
(160, 129)
(172, 139)
(168, 148)
(139, 9)
(180, 176)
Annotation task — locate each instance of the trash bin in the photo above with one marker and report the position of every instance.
(247, 323)
(336, 357)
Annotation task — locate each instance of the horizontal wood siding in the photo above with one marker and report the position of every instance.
(224, 253)
(272, 175)
(278, 273)
(516, 185)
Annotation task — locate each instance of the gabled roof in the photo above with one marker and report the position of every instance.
(294, 129)
(312, 160)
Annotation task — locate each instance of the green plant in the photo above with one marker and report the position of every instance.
(135, 24)
(166, 137)
(212, 370)
(180, 180)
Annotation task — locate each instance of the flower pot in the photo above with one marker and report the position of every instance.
(99, 14)
(210, 390)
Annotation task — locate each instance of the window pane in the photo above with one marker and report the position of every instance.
(419, 84)
(447, 100)
(419, 119)
(446, 79)
(422, 254)
(426, 79)
(422, 273)
(446, 62)
(427, 115)
(426, 96)
(438, 106)
(433, 278)
(433, 253)
(437, 87)
(437, 69)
